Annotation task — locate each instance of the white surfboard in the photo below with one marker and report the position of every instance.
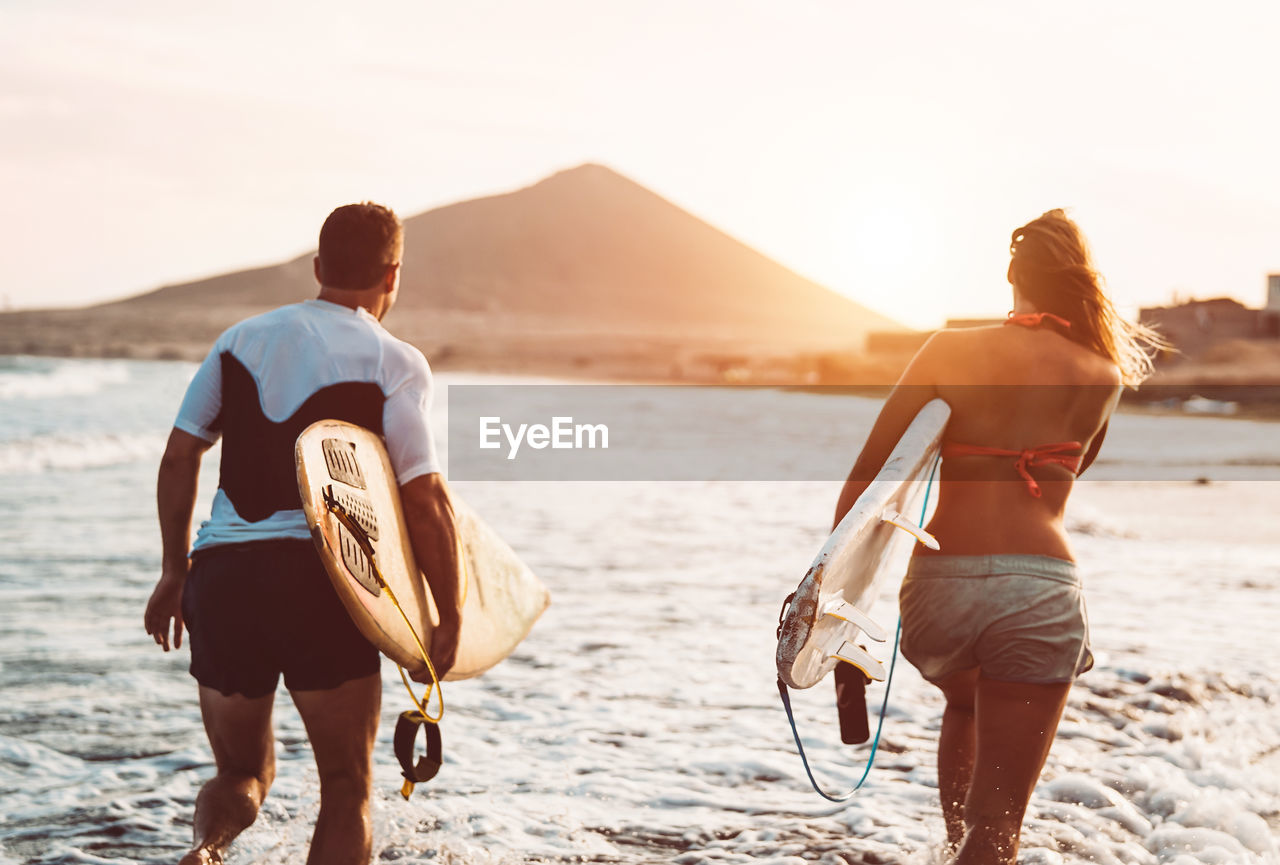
(828, 621)
(345, 468)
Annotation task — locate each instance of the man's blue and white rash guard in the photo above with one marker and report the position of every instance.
(270, 377)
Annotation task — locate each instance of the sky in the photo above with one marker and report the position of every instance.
(885, 150)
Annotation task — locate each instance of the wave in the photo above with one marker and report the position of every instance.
(44, 378)
(1086, 519)
(73, 452)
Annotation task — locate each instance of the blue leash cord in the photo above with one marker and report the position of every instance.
(875, 743)
(884, 705)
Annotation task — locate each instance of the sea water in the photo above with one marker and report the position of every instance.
(639, 722)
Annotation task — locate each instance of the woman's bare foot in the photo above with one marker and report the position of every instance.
(202, 856)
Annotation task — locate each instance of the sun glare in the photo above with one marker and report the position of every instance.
(884, 251)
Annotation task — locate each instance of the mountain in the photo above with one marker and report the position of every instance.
(584, 262)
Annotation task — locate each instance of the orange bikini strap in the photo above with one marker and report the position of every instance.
(1059, 453)
(1035, 319)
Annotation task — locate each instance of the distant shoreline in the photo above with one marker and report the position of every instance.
(1165, 395)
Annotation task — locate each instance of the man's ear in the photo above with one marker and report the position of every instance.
(389, 281)
(315, 268)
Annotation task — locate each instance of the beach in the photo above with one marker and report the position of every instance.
(639, 722)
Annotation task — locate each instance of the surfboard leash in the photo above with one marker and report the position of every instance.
(407, 726)
(888, 685)
(875, 743)
(424, 768)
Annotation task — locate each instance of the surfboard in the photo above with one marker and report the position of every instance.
(352, 504)
(828, 620)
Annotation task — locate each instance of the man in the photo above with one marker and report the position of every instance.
(253, 594)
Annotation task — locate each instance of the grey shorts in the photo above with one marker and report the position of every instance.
(1017, 618)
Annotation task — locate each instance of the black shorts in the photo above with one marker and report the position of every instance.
(260, 609)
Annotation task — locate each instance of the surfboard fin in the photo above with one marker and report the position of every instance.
(847, 612)
(860, 658)
(896, 519)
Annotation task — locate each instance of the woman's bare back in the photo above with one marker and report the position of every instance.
(1014, 388)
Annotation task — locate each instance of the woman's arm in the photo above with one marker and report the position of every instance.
(1095, 444)
(916, 387)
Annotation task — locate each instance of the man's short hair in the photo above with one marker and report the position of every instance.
(357, 244)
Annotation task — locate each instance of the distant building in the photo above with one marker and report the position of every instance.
(1195, 325)
(1271, 315)
(1191, 327)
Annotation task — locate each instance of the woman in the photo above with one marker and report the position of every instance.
(996, 619)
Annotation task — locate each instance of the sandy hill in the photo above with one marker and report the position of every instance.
(581, 266)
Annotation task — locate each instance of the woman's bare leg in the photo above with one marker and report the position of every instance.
(956, 749)
(1015, 724)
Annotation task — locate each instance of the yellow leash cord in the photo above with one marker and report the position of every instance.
(362, 539)
(421, 715)
(426, 767)
(435, 680)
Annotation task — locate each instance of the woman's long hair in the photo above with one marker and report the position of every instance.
(1052, 268)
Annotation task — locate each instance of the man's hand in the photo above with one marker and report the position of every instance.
(175, 501)
(443, 650)
(164, 607)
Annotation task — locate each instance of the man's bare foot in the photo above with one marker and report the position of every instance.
(201, 856)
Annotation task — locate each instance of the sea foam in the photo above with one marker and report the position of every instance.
(24, 378)
(69, 452)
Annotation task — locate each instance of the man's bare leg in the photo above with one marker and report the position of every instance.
(342, 724)
(239, 730)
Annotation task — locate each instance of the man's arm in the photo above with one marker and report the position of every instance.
(433, 533)
(175, 501)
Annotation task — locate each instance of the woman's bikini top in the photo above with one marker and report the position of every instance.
(1066, 454)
